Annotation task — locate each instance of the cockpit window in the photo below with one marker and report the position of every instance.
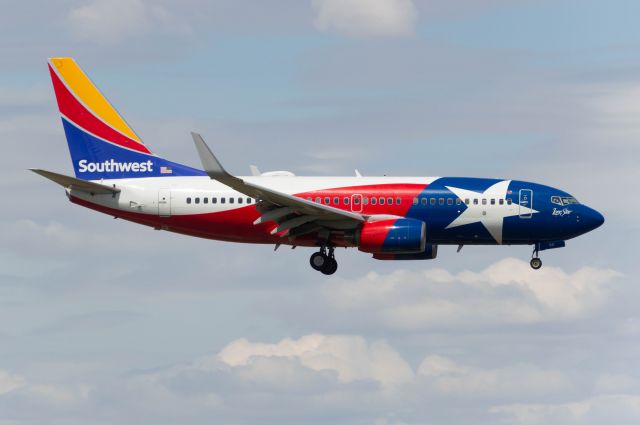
(564, 200)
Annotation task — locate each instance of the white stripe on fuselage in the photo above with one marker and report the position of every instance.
(141, 194)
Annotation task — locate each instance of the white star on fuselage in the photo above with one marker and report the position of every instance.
(491, 216)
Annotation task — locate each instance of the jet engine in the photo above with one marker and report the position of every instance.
(398, 236)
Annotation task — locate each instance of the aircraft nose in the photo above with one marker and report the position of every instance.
(591, 219)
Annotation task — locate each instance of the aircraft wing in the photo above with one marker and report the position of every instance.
(76, 184)
(307, 214)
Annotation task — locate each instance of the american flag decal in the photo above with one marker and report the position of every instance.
(166, 170)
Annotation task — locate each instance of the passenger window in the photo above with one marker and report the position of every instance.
(327, 201)
(458, 201)
(466, 201)
(223, 200)
(197, 200)
(484, 201)
(390, 201)
(310, 199)
(346, 200)
(365, 200)
(240, 200)
(381, 201)
(374, 201)
(432, 201)
(509, 201)
(205, 200)
(188, 200)
(415, 201)
(214, 200)
(424, 201)
(398, 201)
(231, 200)
(449, 201)
(441, 201)
(318, 200)
(501, 201)
(475, 201)
(248, 200)
(356, 200)
(493, 201)
(336, 201)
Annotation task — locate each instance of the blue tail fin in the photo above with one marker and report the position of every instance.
(101, 143)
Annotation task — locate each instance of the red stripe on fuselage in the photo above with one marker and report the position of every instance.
(76, 112)
(405, 191)
(236, 225)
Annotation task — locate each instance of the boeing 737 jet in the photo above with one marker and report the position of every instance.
(392, 218)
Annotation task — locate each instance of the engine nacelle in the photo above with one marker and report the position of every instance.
(430, 252)
(398, 236)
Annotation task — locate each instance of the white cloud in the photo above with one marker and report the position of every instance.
(610, 383)
(10, 382)
(112, 21)
(350, 357)
(505, 292)
(18, 384)
(616, 113)
(451, 378)
(366, 17)
(615, 409)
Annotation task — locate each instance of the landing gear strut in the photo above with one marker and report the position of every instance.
(535, 262)
(324, 261)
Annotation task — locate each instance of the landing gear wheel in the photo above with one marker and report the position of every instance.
(330, 266)
(318, 261)
(536, 263)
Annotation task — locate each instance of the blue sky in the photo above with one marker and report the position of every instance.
(106, 322)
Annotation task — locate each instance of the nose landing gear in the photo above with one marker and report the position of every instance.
(535, 262)
(324, 261)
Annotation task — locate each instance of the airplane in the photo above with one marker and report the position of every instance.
(391, 218)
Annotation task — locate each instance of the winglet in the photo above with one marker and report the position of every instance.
(254, 170)
(211, 165)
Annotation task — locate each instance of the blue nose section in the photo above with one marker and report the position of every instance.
(591, 219)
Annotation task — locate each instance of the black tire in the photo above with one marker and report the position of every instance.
(536, 263)
(318, 261)
(330, 266)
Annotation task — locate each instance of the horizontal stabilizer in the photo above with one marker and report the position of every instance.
(76, 184)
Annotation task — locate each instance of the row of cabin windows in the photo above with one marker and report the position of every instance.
(223, 200)
(424, 201)
(458, 201)
(356, 200)
(365, 201)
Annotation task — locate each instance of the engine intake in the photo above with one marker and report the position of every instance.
(398, 236)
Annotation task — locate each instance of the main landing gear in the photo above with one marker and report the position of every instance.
(324, 261)
(535, 262)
